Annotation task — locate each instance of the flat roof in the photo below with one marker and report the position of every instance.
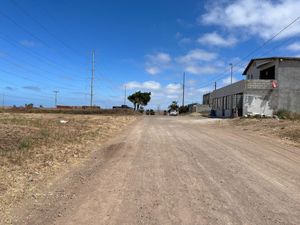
(269, 58)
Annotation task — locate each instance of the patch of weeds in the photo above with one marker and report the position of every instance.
(285, 114)
(25, 144)
(45, 133)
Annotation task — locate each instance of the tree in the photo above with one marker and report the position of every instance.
(132, 98)
(139, 99)
(173, 107)
(29, 106)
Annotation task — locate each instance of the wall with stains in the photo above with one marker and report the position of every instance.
(260, 102)
(289, 86)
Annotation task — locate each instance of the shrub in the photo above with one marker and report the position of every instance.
(285, 114)
(25, 144)
(183, 109)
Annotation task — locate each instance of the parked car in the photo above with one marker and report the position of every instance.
(173, 113)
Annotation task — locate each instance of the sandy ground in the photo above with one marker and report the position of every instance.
(177, 170)
(37, 148)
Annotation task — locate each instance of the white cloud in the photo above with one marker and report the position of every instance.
(200, 62)
(200, 70)
(294, 47)
(152, 70)
(204, 90)
(156, 63)
(197, 55)
(27, 43)
(185, 41)
(191, 82)
(256, 17)
(147, 85)
(163, 95)
(178, 35)
(227, 80)
(173, 88)
(172, 97)
(217, 40)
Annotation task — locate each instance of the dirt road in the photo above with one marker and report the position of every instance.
(179, 171)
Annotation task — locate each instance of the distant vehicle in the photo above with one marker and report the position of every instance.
(150, 112)
(125, 107)
(122, 107)
(173, 113)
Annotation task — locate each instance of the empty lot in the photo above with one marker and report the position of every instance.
(178, 170)
(37, 148)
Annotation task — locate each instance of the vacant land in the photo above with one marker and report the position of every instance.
(178, 170)
(35, 147)
(288, 131)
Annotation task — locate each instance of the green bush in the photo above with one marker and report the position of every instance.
(183, 109)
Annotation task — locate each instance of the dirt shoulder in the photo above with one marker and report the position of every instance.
(288, 131)
(36, 149)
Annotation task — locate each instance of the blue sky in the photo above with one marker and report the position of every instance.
(143, 45)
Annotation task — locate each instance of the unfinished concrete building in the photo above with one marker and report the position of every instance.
(270, 84)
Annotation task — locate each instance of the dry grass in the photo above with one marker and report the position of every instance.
(34, 147)
(287, 130)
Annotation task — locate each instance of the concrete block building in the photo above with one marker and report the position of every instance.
(270, 84)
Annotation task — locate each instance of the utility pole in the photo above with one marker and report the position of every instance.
(55, 97)
(3, 100)
(183, 86)
(231, 66)
(215, 85)
(125, 95)
(92, 78)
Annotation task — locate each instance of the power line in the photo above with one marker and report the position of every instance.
(23, 28)
(221, 75)
(54, 20)
(42, 26)
(28, 51)
(26, 30)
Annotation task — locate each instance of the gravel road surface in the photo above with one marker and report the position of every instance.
(178, 170)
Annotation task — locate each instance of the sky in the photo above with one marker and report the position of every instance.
(147, 45)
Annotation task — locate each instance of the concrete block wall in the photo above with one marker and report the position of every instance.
(289, 87)
(260, 102)
(258, 84)
(259, 97)
(231, 89)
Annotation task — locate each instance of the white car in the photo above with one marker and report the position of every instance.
(173, 113)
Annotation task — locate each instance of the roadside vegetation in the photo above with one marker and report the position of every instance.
(35, 147)
(87, 111)
(173, 107)
(287, 130)
(139, 100)
(285, 114)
